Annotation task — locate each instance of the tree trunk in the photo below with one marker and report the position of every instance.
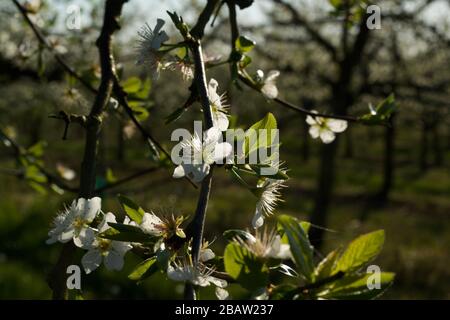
(120, 152)
(348, 154)
(323, 193)
(423, 162)
(388, 163)
(437, 150)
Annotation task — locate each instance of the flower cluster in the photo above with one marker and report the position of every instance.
(74, 224)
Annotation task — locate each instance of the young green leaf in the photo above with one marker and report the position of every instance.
(360, 252)
(356, 287)
(301, 248)
(134, 211)
(245, 267)
(244, 45)
(144, 269)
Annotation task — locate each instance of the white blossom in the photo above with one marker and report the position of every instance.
(219, 109)
(110, 251)
(268, 85)
(325, 128)
(148, 47)
(74, 221)
(266, 244)
(152, 224)
(198, 157)
(198, 275)
(270, 196)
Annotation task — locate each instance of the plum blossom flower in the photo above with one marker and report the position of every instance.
(270, 196)
(266, 244)
(198, 157)
(198, 275)
(164, 227)
(267, 84)
(219, 109)
(148, 47)
(325, 128)
(110, 251)
(74, 221)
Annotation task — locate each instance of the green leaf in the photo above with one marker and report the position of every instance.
(301, 248)
(144, 269)
(356, 287)
(37, 187)
(386, 107)
(244, 44)
(253, 137)
(245, 61)
(134, 211)
(381, 113)
(326, 266)
(144, 91)
(139, 110)
(132, 85)
(360, 252)
(282, 292)
(110, 178)
(245, 267)
(37, 149)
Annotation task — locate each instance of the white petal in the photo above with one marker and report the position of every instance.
(310, 120)
(92, 208)
(314, 131)
(217, 282)
(121, 247)
(214, 98)
(178, 172)
(327, 136)
(211, 136)
(258, 218)
(199, 172)
(177, 274)
(272, 75)
(206, 255)
(270, 90)
(285, 252)
(66, 235)
(336, 125)
(114, 261)
(221, 121)
(221, 294)
(109, 217)
(221, 151)
(91, 260)
(150, 223)
(85, 238)
(259, 75)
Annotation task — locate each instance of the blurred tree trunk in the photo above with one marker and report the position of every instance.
(388, 162)
(306, 149)
(120, 152)
(424, 147)
(437, 150)
(348, 153)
